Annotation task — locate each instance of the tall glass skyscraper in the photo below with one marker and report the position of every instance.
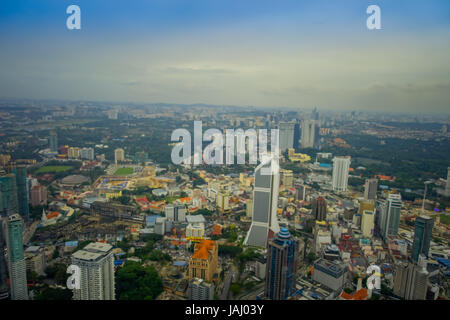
(16, 259)
(422, 236)
(8, 195)
(282, 259)
(22, 191)
(390, 215)
(286, 135)
(3, 272)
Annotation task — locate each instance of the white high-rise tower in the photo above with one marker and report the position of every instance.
(265, 202)
(341, 165)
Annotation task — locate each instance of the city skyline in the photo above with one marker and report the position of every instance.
(298, 54)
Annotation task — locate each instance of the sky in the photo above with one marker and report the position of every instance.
(268, 53)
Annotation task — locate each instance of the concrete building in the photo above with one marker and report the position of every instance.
(249, 208)
(119, 155)
(422, 237)
(203, 263)
(223, 201)
(282, 260)
(160, 226)
(286, 131)
(367, 223)
(87, 154)
(96, 263)
(330, 274)
(390, 215)
(200, 289)
(341, 166)
(287, 178)
(300, 192)
(74, 153)
(35, 259)
(176, 213)
(53, 142)
(319, 209)
(38, 195)
(265, 204)
(16, 258)
(370, 189)
(310, 133)
(411, 281)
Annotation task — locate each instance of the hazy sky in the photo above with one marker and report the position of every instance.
(242, 52)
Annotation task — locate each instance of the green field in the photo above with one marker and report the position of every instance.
(445, 219)
(53, 169)
(123, 171)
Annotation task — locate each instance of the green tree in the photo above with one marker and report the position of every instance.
(135, 282)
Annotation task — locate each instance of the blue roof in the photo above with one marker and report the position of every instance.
(180, 263)
(444, 262)
(118, 262)
(71, 243)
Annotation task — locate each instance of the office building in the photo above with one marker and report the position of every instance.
(370, 189)
(249, 208)
(38, 195)
(390, 215)
(422, 236)
(411, 281)
(96, 263)
(119, 155)
(265, 204)
(368, 205)
(330, 274)
(287, 178)
(53, 142)
(203, 263)
(3, 270)
(8, 195)
(310, 133)
(286, 134)
(16, 259)
(200, 289)
(367, 223)
(282, 260)
(22, 191)
(223, 201)
(319, 209)
(87, 154)
(35, 259)
(297, 135)
(74, 153)
(160, 226)
(341, 166)
(300, 192)
(175, 212)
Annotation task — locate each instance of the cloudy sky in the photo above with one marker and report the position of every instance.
(290, 53)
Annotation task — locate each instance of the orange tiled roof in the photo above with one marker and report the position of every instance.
(202, 249)
(53, 214)
(186, 199)
(358, 295)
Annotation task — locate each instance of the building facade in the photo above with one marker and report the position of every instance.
(422, 236)
(282, 260)
(370, 189)
(341, 166)
(96, 263)
(203, 263)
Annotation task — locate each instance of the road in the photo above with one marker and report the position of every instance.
(226, 287)
(28, 232)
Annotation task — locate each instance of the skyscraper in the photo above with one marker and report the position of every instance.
(310, 133)
(119, 155)
(286, 135)
(367, 223)
(8, 195)
(411, 281)
(265, 203)
(300, 191)
(16, 260)
(22, 191)
(370, 189)
(319, 209)
(53, 141)
(282, 259)
(341, 166)
(3, 272)
(390, 215)
(422, 236)
(96, 263)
